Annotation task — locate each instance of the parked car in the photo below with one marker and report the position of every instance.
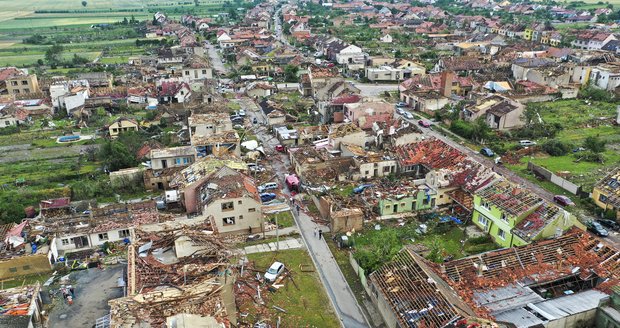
(400, 111)
(487, 152)
(563, 200)
(597, 229)
(609, 224)
(255, 121)
(267, 186)
(237, 126)
(241, 112)
(401, 104)
(236, 119)
(527, 143)
(274, 271)
(280, 148)
(265, 197)
(359, 189)
(255, 167)
(408, 115)
(424, 123)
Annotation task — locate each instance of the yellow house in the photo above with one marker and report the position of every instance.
(122, 125)
(527, 34)
(606, 193)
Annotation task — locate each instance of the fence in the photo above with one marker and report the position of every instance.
(558, 181)
(360, 272)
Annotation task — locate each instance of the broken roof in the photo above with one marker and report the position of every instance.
(510, 198)
(536, 221)
(415, 293)
(610, 186)
(482, 279)
(173, 152)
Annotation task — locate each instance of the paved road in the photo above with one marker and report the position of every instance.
(338, 290)
(374, 90)
(216, 60)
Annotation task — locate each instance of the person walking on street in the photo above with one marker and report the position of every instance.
(315, 232)
(320, 234)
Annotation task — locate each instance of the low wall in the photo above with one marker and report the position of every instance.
(558, 181)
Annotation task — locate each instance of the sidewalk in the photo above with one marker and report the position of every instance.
(289, 243)
(337, 288)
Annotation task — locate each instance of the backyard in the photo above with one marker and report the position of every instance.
(377, 244)
(579, 121)
(305, 306)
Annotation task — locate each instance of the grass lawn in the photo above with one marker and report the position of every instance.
(25, 280)
(580, 121)
(306, 307)
(285, 219)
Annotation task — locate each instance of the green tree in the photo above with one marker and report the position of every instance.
(480, 130)
(290, 73)
(53, 55)
(595, 144)
(115, 156)
(555, 147)
(84, 3)
(383, 247)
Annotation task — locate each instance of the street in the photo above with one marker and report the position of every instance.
(336, 286)
(216, 60)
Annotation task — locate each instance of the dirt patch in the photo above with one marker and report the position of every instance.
(93, 289)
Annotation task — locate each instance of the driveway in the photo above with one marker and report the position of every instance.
(93, 289)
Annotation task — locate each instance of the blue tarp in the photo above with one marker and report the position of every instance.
(450, 218)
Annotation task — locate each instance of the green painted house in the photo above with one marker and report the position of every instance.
(513, 216)
(422, 198)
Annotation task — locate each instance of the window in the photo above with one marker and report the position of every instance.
(14, 83)
(177, 161)
(485, 204)
(366, 173)
(228, 221)
(483, 221)
(240, 202)
(123, 233)
(185, 160)
(386, 169)
(602, 198)
(228, 206)
(65, 242)
(186, 72)
(504, 217)
(501, 234)
(240, 217)
(103, 236)
(204, 71)
(26, 90)
(7, 122)
(251, 210)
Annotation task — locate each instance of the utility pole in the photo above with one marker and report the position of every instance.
(277, 234)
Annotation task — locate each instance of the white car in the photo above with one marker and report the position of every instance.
(408, 116)
(527, 143)
(241, 112)
(267, 186)
(274, 270)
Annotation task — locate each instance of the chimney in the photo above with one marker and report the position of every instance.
(446, 83)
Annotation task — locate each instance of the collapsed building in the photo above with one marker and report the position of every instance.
(175, 276)
(556, 282)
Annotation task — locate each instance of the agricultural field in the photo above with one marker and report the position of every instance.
(579, 121)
